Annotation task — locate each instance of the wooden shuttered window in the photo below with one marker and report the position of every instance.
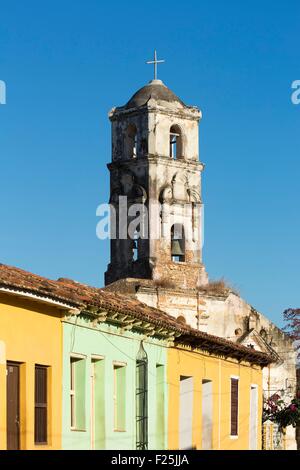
(40, 403)
(234, 407)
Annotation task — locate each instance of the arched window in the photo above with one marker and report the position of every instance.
(176, 150)
(263, 333)
(177, 243)
(135, 246)
(142, 399)
(131, 141)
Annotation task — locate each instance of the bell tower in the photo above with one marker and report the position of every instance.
(155, 190)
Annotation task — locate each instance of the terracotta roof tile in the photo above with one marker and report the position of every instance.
(83, 296)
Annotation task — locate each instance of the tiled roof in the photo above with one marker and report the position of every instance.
(86, 297)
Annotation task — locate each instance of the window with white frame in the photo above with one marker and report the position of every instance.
(119, 396)
(77, 392)
(234, 408)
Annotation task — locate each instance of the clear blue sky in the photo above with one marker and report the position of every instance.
(67, 63)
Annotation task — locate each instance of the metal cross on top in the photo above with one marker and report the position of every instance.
(155, 62)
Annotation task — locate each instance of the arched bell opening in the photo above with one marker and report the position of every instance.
(176, 147)
(131, 141)
(177, 243)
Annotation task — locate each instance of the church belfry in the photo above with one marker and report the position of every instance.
(155, 189)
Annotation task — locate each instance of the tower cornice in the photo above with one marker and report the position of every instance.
(189, 113)
(146, 159)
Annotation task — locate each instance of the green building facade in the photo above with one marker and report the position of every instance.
(114, 385)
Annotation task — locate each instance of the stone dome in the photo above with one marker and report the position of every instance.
(156, 90)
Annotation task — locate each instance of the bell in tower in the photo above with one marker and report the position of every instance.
(155, 165)
(177, 243)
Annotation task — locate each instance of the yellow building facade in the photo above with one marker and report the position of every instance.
(201, 412)
(209, 389)
(30, 374)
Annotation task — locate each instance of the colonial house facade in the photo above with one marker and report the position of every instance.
(85, 368)
(30, 364)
